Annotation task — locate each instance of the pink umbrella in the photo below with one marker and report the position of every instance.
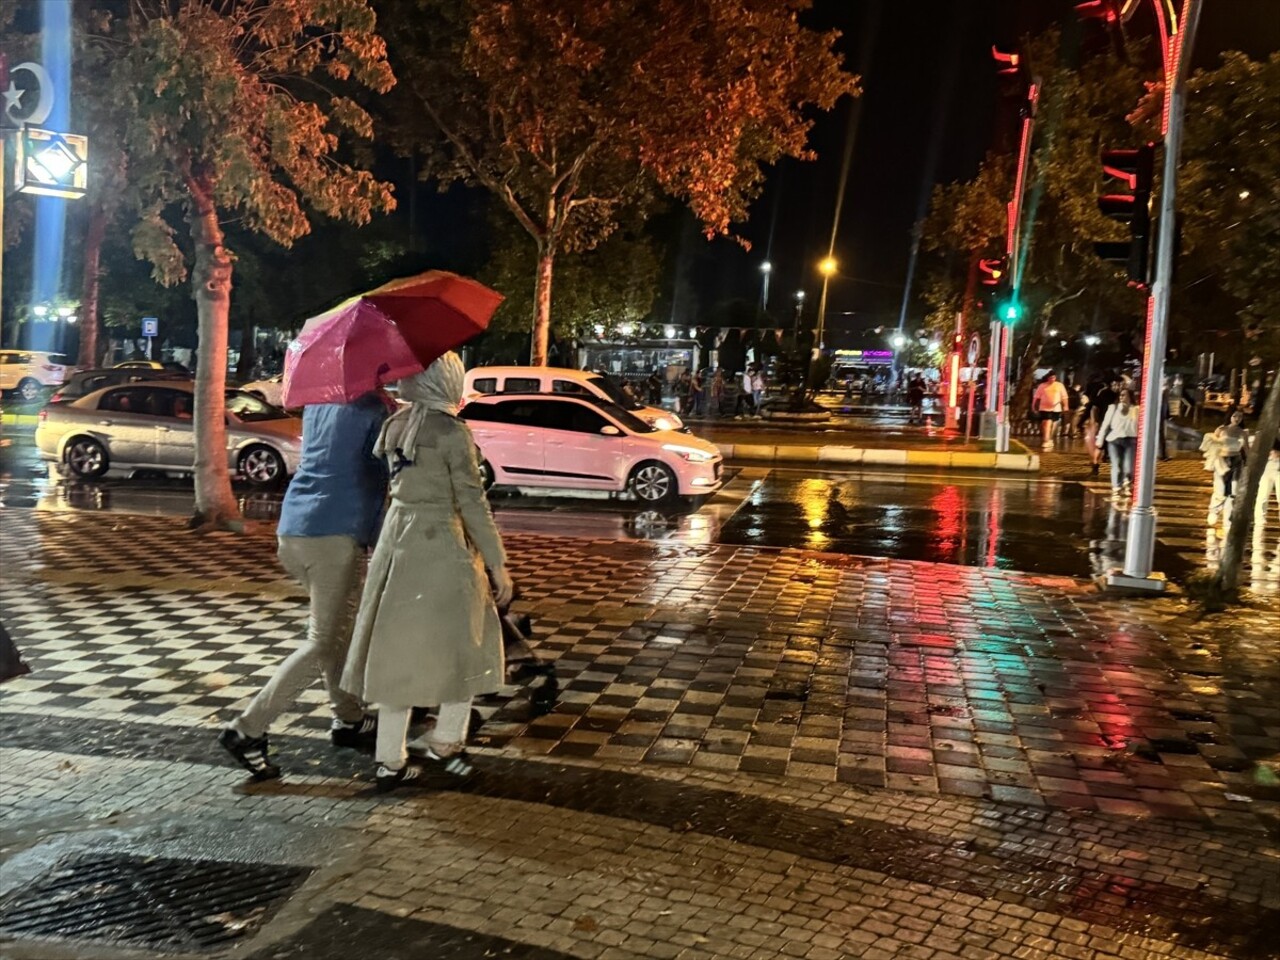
(389, 333)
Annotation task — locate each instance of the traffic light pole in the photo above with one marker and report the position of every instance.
(1139, 552)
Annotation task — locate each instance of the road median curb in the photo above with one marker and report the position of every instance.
(845, 456)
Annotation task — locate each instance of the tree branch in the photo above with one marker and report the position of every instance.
(501, 188)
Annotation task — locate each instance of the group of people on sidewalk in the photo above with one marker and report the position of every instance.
(1108, 413)
(425, 631)
(702, 393)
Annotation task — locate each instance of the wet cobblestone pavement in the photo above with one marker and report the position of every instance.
(756, 753)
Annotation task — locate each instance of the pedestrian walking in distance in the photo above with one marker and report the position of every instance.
(1050, 402)
(1225, 451)
(1119, 431)
(743, 400)
(428, 632)
(328, 520)
(759, 386)
(717, 392)
(1103, 397)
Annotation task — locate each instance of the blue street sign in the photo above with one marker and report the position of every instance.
(150, 327)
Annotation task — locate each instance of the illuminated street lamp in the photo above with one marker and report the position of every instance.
(669, 332)
(1092, 340)
(899, 340)
(827, 267)
(40, 310)
(766, 268)
(53, 164)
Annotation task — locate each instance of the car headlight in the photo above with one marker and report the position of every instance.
(692, 454)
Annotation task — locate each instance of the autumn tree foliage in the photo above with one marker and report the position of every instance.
(575, 112)
(233, 108)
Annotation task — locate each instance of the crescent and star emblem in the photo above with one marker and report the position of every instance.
(13, 97)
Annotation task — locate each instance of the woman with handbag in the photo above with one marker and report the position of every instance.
(1119, 433)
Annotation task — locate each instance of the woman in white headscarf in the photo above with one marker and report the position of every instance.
(428, 632)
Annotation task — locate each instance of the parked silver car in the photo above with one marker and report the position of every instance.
(147, 426)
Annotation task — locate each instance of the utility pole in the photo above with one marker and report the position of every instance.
(995, 423)
(1139, 554)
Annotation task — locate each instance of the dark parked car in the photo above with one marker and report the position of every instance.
(86, 381)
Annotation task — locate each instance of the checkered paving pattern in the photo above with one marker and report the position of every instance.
(924, 679)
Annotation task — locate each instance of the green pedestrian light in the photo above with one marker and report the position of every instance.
(1010, 312)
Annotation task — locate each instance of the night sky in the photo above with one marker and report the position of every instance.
(930, 75)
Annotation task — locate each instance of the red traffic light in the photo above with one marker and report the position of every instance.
(1012, 61)
(1108, 10)
(992, 271)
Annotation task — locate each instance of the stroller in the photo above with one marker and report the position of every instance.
(524, 667)
(534, 676)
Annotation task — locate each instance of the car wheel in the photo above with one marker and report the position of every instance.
(29, 390)
(654, 482)
(486, 474)
(86, 458)
(262, 466)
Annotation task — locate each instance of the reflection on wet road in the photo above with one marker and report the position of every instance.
(1032, 525)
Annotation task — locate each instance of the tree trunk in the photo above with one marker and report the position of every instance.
(542, 307)
(1019, 407)
(211, 287)
(1227, 580)
(93, 238)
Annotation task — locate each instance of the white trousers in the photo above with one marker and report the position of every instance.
(1268, 490)
(393, 727)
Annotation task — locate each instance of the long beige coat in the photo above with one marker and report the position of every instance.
(427, 632)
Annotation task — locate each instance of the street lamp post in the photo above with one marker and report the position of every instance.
(1139, 554)
(827, 268)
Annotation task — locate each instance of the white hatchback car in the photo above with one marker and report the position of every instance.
(27, 373)
(562, 380)
(580, 442)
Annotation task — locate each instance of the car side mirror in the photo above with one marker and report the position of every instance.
(609, 430)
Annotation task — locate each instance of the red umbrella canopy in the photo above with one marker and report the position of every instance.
(435, 311)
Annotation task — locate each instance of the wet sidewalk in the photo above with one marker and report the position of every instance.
(755, 753)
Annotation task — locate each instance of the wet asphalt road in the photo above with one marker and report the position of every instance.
(1032, 525)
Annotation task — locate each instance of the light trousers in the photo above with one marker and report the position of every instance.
(1222, 503)
(329, 569)
(1268, 490)
(393, 729)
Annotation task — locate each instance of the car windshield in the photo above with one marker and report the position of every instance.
(614, 392)
(249, 409)
(624, 417)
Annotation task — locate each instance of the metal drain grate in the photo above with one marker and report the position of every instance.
(150, 901)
